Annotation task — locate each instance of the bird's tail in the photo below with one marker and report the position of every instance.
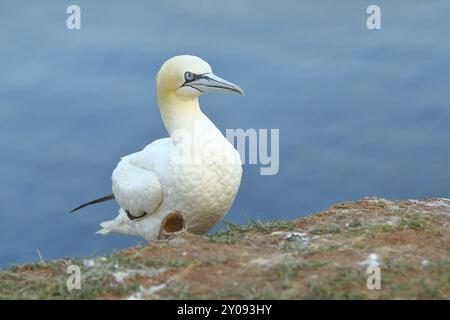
(102, 199)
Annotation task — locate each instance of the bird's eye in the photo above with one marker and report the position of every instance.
(189, 76)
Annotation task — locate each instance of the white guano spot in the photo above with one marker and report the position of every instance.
(145, 292)
(89, 263)
(373, 260)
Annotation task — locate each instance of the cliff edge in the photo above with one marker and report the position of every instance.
(345, 252)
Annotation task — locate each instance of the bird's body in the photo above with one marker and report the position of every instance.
(195, 171)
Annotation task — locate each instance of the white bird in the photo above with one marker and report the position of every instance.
(195, 170)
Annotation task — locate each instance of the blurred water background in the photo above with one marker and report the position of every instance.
(360, 113)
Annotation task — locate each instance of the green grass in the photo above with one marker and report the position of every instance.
(48, 280)
(285, 272)
(415, 221)
(230, 235)
(325, 229)
(137, 262)
(359, 246)
(248, 291)
(355, 224)
(346, 284)
(182, 291)
(224, 237)
(261, 226)
(430, 281)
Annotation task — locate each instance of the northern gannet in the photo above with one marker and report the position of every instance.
(195, 171)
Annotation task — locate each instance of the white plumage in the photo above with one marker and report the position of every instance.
(195, 171)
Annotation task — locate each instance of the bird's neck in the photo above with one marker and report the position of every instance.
(181, 113)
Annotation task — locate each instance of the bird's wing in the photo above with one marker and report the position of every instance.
(136, 181)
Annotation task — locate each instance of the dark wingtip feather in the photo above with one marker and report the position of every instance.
(102, 199)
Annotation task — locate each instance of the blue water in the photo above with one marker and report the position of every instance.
(360, 112)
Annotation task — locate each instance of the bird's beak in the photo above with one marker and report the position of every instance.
(209, 82)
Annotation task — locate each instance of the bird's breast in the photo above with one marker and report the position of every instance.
(205, 184)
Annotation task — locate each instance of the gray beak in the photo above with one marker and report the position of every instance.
(209, 82)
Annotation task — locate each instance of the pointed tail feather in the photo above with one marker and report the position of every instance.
(102, 199)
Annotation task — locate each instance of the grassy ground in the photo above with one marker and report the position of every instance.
(322, 256)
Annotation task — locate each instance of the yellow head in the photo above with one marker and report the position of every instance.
(190, 76)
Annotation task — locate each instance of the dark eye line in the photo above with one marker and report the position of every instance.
(194, 77)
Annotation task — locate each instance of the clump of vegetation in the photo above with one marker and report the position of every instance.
(231, 234)
(359, 245)
(415, 221)
(325, 229)
(224, 237)
(260, 226)
(355, 223)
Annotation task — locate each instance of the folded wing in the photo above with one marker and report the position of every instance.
(136, 181)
